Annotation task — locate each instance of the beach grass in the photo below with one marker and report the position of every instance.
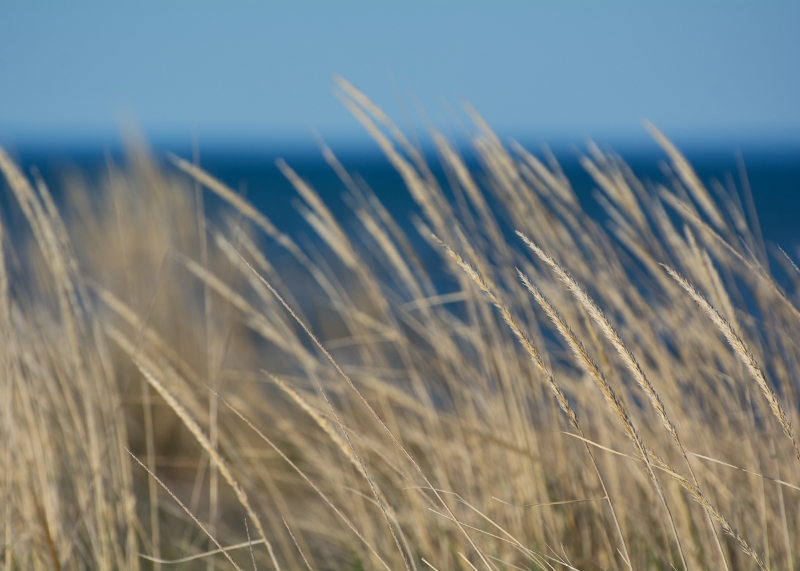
(188, 389)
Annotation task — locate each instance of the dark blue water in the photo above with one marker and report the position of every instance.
(773, 176)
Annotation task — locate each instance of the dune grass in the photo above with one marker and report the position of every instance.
(186, 389)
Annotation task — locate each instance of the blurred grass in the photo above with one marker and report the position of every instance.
(603, 415)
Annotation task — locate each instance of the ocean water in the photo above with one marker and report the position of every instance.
(773, 177)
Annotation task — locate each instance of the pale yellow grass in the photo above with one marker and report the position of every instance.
(373, 415)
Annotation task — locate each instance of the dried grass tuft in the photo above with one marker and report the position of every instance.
(400, 404)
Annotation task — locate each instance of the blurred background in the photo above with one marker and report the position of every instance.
(247, 81)
(90, 92)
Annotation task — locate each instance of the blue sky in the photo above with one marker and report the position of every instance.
(261, 71)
